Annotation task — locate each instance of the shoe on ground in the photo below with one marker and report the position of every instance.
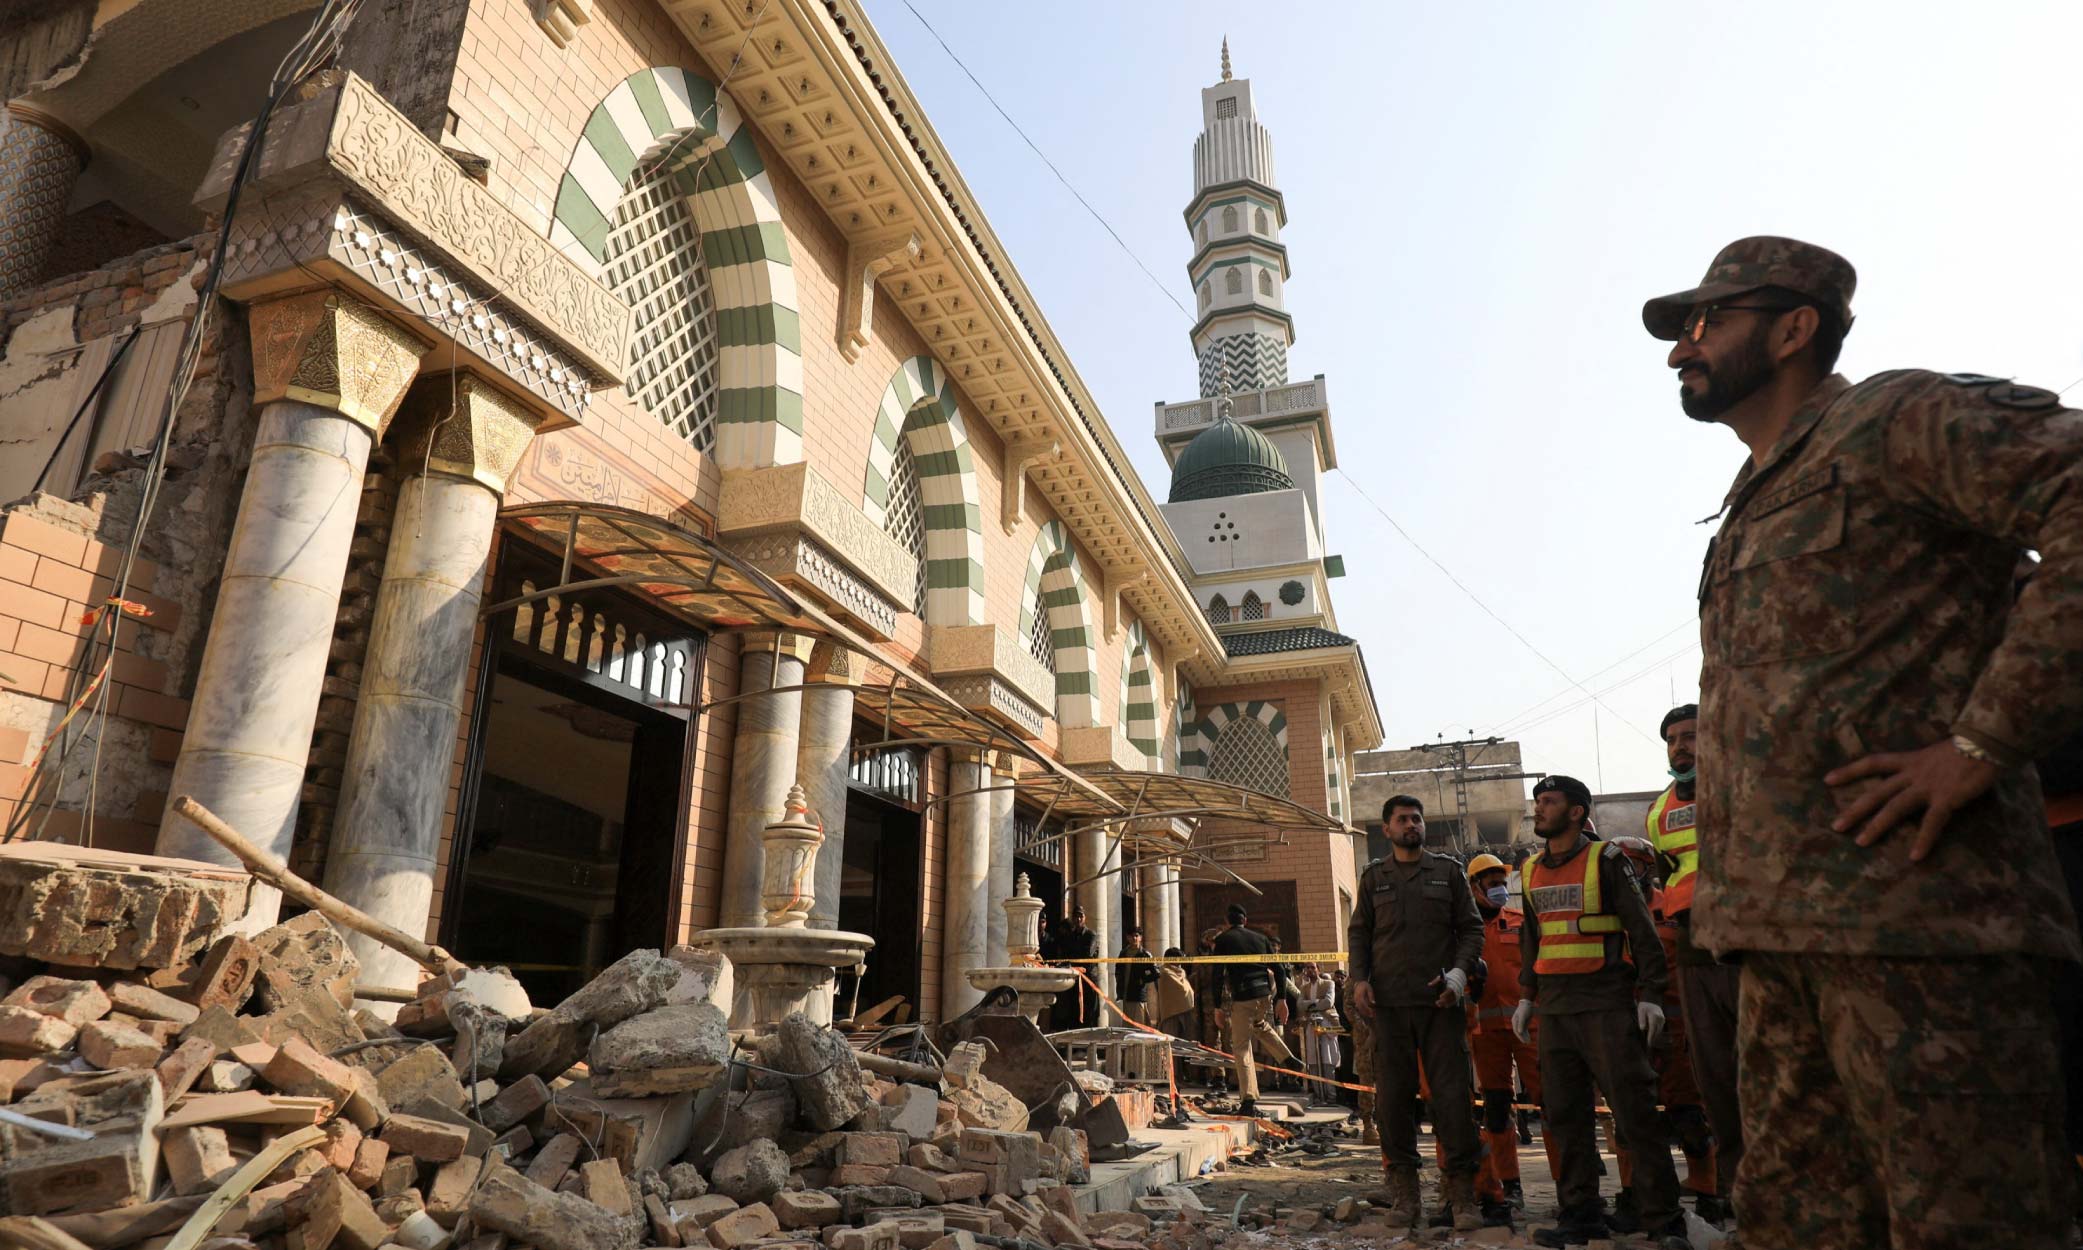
(1626, 1217)
(1515, 1193)
(1496, 1214)
(1673, 1236)
(1713, 1208)
(1248, 1107)
(1574, 1228)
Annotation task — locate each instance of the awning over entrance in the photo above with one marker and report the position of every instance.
(602, 546)
(1155, 796)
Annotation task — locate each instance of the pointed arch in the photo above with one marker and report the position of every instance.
(1139, 694)
(1253, 607)
(1218, 611)
(919, 408)
(1245, 743)
(1056, 586)
(1233, 281)
(672, 122)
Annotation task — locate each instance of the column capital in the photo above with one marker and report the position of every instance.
(833, 665)
(792, 646)
(30, 115)
(461, 424)
(332, 350)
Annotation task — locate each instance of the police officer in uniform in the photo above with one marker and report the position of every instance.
(1871, 834)
(1414, 938)
(1588, 944)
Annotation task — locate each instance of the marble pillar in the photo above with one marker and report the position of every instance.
(1156, 898)
(461, 438)
(821, 765)
(40, 161)
(1175, 904)
(328, 373)
(762, 768)
(966, 940)
(999, 887)
(1101, 898)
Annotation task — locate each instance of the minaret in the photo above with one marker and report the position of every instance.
(1239, 267)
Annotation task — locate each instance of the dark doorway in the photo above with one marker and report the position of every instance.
(1273, 912)
(881, 875)
(573, 822)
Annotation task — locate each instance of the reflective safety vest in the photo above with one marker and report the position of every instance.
(1671, 831)
(1573, 918)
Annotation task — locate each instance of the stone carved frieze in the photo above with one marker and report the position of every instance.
(405, 173)
(983, 692)
(334, 351)
(953, 650)
(799, 561)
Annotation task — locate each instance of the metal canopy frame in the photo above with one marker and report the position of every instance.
(603, 546)
(607, 546)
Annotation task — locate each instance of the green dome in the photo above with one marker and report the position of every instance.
(1229, 459)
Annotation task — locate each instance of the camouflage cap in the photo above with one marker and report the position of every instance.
(1759, 261)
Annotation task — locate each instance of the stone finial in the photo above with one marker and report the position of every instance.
(1225, 58)
(788, 888)
(1022, 923)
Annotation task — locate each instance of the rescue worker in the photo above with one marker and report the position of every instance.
(1684, 1116)
(1250, 1003)
(1871, 837)
(1706, 987)
(1587, 944)
(1496, 1050)
(1414, 939)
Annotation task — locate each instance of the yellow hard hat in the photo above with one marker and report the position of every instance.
(1484, 863)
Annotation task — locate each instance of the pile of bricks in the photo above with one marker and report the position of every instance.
(176, 1074)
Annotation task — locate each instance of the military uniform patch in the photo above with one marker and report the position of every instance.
(2005, 393)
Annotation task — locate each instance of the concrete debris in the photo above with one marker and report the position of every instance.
(470, 1123)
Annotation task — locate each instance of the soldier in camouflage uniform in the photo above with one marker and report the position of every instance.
(1870, 831)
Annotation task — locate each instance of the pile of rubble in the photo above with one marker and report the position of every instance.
(168, 1088)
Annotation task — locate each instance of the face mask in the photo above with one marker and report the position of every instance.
(1497, 894)
(1688, 775)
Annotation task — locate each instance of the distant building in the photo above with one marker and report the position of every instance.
(1474, 799)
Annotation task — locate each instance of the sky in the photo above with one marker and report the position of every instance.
(1479, 199)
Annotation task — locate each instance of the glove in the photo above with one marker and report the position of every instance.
(1650, 1019)
(1522, 1020)
(1456, 981)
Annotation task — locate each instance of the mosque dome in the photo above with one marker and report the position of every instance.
(1229, 459)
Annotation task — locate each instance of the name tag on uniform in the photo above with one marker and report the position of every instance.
(1437, 889)
(1553, 898)
(1682, 818)
(1800, 488)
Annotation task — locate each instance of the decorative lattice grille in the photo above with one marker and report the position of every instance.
(905, 520)
(655, 263)
(1254, 607)
(1247, 754)
(1041, 640)
(1219, 611)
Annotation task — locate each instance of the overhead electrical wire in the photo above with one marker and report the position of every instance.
(1166, 291)
(312, 51)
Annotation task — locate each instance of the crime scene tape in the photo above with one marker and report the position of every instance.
(1307, 957)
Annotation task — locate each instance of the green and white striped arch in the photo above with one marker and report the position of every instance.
(1199, 739)
(676, 115)
(1139, 695)
(1332, 787)
(919, 406)
(1055, 584)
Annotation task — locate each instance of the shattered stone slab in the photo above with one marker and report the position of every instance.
(510, 1203)
(636, 983)
(666, 1051)
(88, 908)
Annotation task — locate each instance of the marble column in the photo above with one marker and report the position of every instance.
(328, 373)
(461, 440)
(1156, 895)
(762, 768)
(966, 939)
(821, 764)
(40, 160)
(1101, 899)
(1175, 905)
(999, 887)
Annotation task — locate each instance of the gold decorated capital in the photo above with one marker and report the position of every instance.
(833, 664)
(331, 350)
(460, 424)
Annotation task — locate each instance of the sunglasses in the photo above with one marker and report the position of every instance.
(1696, 324)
